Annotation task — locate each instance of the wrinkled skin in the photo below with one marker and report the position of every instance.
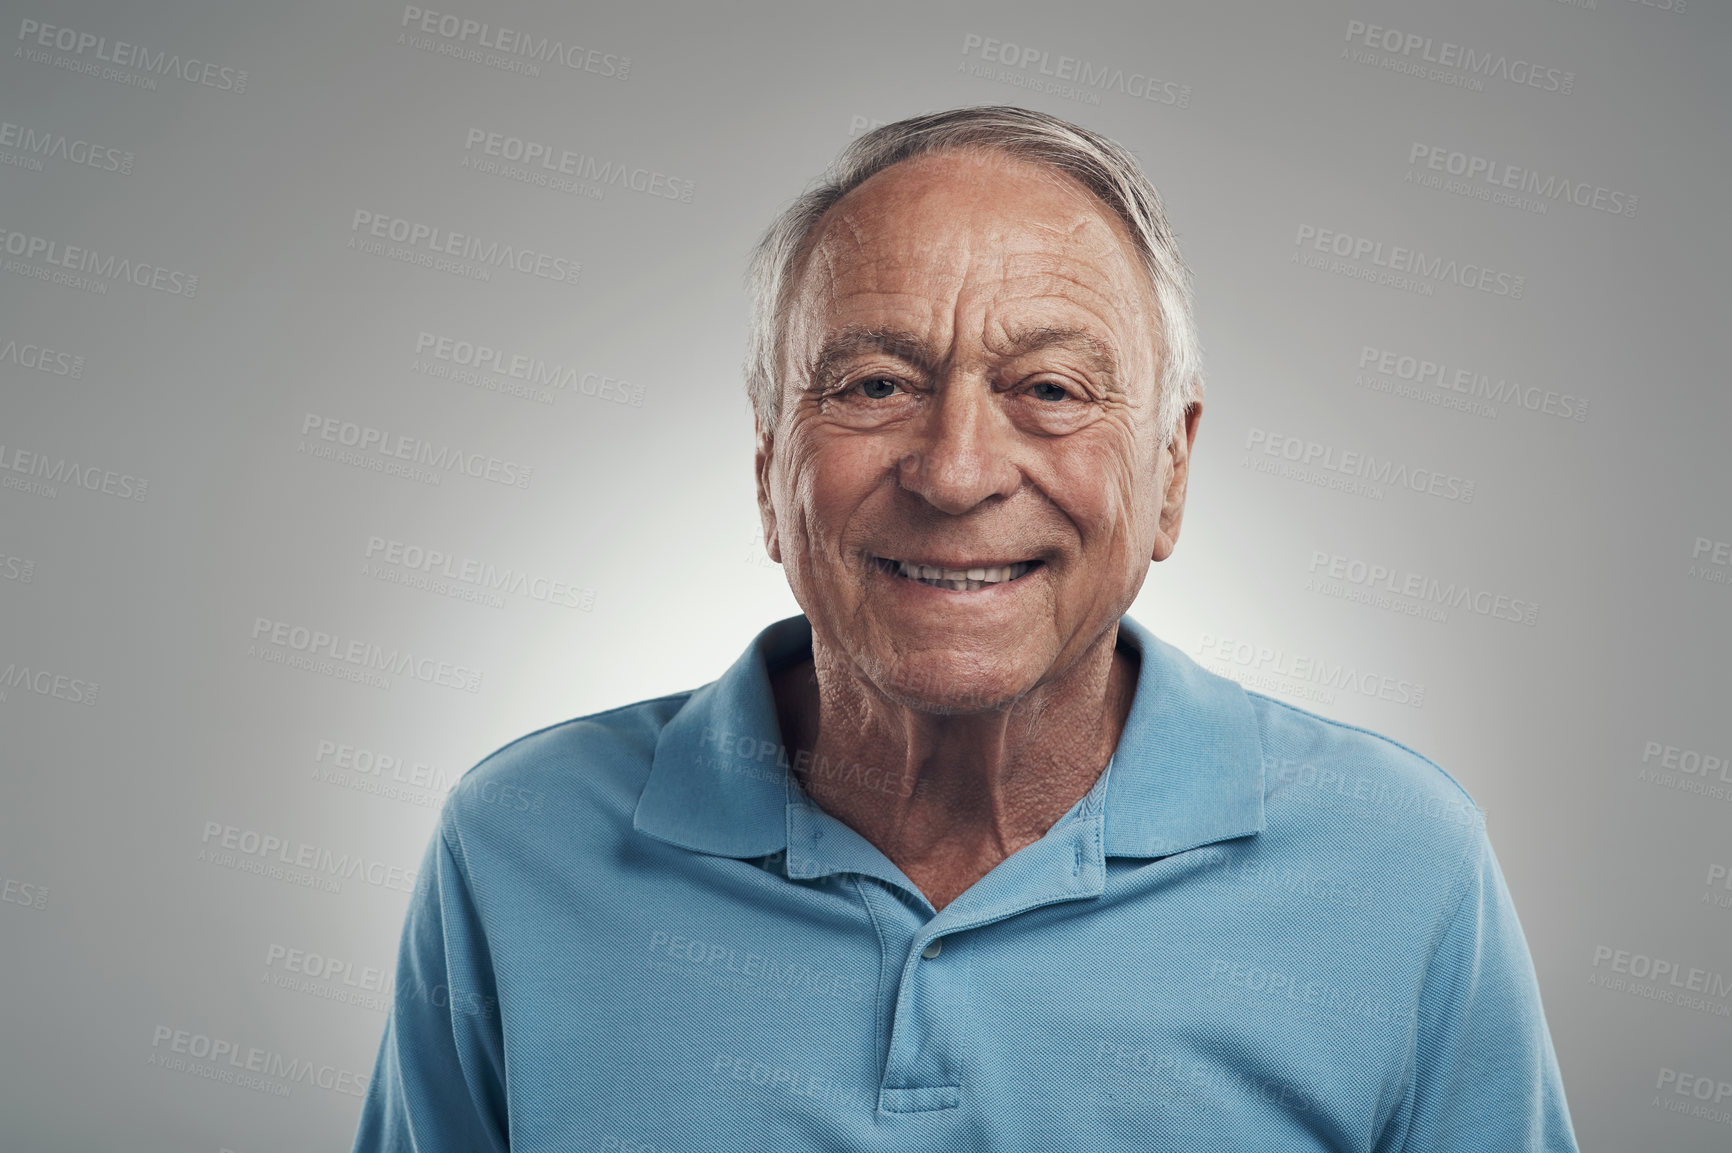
(970, 381)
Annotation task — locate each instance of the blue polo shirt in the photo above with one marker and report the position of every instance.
(1259, 930)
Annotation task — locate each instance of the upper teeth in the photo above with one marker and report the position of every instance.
(984, 575)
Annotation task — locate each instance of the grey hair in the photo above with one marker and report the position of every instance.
(1103, 167)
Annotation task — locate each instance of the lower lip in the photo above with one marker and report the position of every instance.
(998, 588)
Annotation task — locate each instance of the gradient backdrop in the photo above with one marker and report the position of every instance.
(369, 396)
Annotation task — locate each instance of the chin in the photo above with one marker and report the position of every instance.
(946, 682)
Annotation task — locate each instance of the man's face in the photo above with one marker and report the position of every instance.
(970, 384)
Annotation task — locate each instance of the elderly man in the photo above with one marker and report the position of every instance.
(964, 857)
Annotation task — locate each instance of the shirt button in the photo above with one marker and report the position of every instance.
(935, 947)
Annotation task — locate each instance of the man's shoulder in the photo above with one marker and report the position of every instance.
(589, 764)
(1315, 765)
(1310, 757)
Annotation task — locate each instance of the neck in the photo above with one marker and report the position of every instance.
(947, 796)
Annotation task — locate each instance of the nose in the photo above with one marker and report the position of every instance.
(965, 452)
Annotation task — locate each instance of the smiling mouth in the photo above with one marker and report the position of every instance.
(958, 580)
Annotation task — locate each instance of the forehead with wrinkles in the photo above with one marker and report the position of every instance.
(935, 236)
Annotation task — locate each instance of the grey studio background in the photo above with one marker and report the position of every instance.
(369, 397)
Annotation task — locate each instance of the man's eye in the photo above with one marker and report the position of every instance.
(1047, 390)
(877, 387)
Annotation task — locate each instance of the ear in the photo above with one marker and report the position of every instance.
(1178, 464)
(761, 461)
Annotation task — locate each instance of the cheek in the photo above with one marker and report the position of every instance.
(1106, 492)
(797, 472)
(823, 484)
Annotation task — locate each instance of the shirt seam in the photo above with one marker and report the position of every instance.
(1474, 852)
(880, 1038)
(512, 744)
(1333, 723)
(460, 862)
(585, 717)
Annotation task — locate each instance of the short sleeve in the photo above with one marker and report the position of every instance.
(1484, 1076)
(439, 1082)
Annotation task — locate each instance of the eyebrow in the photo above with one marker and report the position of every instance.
(1097, 354)
(846, 344)
(842, 347)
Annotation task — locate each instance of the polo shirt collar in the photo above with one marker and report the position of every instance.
(1188, 769)
(718, 783)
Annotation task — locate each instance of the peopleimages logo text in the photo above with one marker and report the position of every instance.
(1471, 383)
(398, 447)
(1410, 261)
(192, 70)
(47, 471)
(532, 370)
(1363, 466)
(1267, 661)
(35, 356)
(230, 1062)
(1393, 579)
(580, 165)
(1501, 175)
(515, 42)
(364, 654)
(432, 241)
(482, 574)
(1448, 54)
(105, 265)
(59, 146)
(1086, 76)
(47, 683)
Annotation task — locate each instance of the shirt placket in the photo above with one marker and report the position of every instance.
(934, 955)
